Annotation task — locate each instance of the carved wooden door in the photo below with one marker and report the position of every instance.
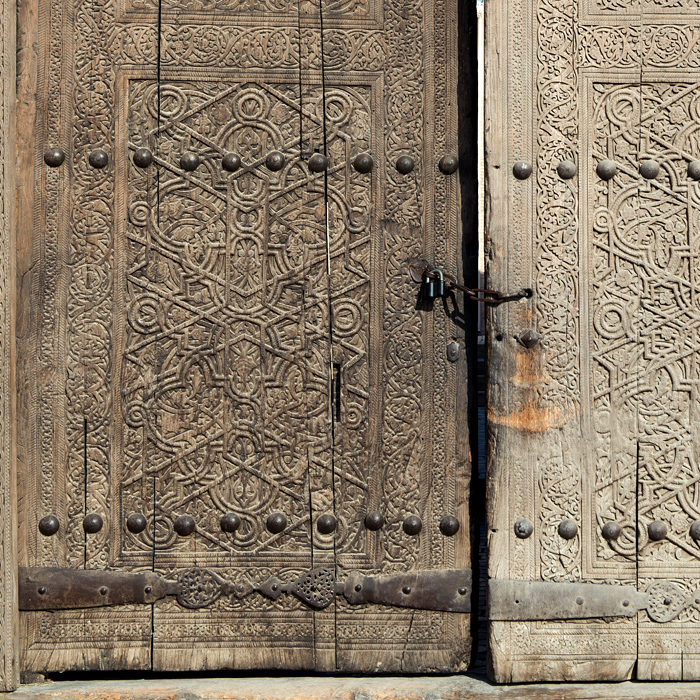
(223, 374)
(593, 145)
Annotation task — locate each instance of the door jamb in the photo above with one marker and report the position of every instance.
(9, 616)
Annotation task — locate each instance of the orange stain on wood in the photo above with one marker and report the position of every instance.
(529, 418)
(528, 415)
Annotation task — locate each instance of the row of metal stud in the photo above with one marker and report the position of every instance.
(605, 170)
(185, 525)
(189, 162)
(568, 529)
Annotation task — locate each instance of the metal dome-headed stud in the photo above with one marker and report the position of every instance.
(529, 338)
(136, 523)
(448, 164)
(611, 531)
(49, 525)
(694, 170)
(449, 526)
(98, 158)
(142, 157)
(566, 169)
(374, 520)
(412, 525)
(231, 162)
(695, 530)
(567, 529)
(326, 523)
(189, 162)
(404, 164)
(275, 161)
(184, 525)
(230, 522)
(522, 170)
(276, 522)
(523, 528)
(53, 157)
(363, 163)
(657, 530)
(606, 170)
(649, 169)
(318, 163)
(92, 523)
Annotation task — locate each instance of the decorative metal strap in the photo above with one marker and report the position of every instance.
(45, 588)
(543, 600)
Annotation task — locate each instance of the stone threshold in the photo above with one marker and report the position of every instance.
(462, 687)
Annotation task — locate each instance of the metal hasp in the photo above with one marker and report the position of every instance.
(43, 588)
(542, 600)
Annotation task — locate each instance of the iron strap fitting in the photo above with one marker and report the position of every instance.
(420, 270)
(544, 600)
(48, 588)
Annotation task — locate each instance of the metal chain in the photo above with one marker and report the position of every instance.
(485, 296)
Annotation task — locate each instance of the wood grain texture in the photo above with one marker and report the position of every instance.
(9, 616)
(594, 423)
(546, 454)
(70, 217)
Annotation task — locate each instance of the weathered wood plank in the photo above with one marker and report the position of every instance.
(401, 445)
(562, 436)
(9, 628)
(68, 99)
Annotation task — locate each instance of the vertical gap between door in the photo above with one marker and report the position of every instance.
(469, 90)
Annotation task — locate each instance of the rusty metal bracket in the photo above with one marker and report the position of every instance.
(440, 589)
(544, 600)
(420, 270)
(49, 588)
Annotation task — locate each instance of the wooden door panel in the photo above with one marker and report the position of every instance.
(256, 349)
(247, 341)
(65, 382)
(416, 464)
(667, 403)
(594, 423)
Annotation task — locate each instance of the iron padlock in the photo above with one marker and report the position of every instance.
(429, 287)
(439, 283)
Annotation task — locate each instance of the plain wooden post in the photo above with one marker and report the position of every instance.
(9, 666)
